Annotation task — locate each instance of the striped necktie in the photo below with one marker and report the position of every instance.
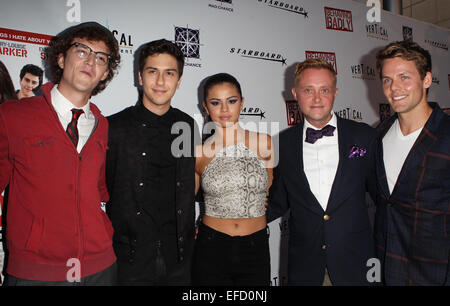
(72, 130)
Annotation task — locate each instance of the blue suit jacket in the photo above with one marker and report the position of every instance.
(413, 223)
(344, 242)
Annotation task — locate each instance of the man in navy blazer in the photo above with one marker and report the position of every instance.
(322, 177)
(413, 173)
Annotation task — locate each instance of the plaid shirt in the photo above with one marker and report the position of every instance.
(413, 223)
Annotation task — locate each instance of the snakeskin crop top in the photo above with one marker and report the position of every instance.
(235, 184)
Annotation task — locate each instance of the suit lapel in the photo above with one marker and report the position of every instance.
(420, 147)
(343, 144)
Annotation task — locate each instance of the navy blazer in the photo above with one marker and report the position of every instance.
(339, 238)
(413, 223)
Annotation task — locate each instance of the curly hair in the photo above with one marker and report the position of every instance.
(407, 50)
(91, 31)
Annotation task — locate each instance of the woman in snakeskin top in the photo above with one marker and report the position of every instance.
(234, 170)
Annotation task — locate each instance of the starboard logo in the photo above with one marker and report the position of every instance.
(377, 31)
(329, 57)
(253, 112)
(407, 33)
(293, 112)
(385, 111)
(189, 42)
(222, 6)
(349, 113)
(339, 20)
(286, 6)
(259, 54)
(363, 71)
(437, 44)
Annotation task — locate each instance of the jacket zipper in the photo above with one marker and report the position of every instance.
(80, 227)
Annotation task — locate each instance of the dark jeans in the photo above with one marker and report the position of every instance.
(223, 260)
(107, 277)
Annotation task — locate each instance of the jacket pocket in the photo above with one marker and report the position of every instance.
(35, 236)
(40, 153)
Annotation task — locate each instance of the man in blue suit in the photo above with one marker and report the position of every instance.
(322, 177)
(413, 173)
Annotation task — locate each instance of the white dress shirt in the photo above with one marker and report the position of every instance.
(396, 148)
(320, 161)
(63, 108)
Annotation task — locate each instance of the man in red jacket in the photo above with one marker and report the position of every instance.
(52, 155)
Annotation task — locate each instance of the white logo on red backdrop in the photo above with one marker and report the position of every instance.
(293, 112)
(329, 57)
(337, 19)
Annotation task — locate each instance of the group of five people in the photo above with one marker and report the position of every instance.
(61, 159)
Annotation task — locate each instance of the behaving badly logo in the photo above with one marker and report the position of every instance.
(329, 57)
(337, 19)
(293, 112)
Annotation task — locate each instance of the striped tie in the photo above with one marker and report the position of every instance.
(72, 129)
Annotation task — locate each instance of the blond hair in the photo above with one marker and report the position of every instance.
(314, 63)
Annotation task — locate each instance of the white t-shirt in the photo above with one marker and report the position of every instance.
(396, 147)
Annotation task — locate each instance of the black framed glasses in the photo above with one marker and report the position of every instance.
(83, 51)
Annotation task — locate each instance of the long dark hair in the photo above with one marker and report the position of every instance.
(212, 81)
(7, 91)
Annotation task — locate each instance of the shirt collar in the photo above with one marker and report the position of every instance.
(332, 122)
(147, 115)
(63, 105)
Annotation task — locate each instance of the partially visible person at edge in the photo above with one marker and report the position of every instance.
(413, 172)
(31, 77)
(7, 91)
(52, 155)
(151, 184)
(322, 177)
(234, 169)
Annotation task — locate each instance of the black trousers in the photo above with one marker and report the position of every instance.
(107, 277)
(223, 260)
(147, 265)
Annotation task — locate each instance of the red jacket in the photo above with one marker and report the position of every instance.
(54, 204)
